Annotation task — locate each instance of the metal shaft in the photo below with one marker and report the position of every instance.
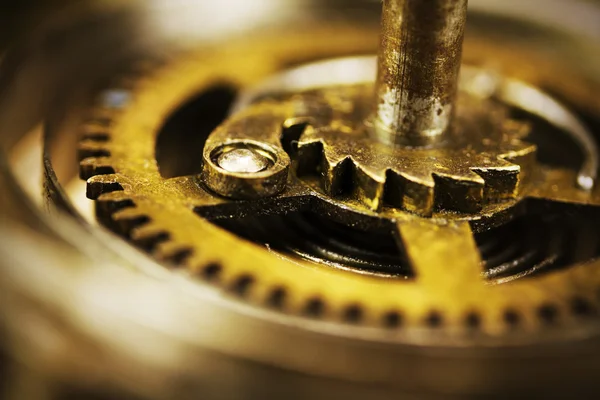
(419, 64)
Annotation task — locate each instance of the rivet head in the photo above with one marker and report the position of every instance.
(243, 161)
(244, 169)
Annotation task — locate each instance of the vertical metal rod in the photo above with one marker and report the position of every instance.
(419, 65)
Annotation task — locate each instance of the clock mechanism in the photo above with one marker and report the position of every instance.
(367, 199)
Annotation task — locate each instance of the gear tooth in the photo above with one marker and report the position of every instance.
(448, 183)
(173, 253)
(101, 184)
(501, 182)
(90, 167)
(128, 219)
(527, 165)
(91, 148)
(129, 214)
(292, 131)
(370, 189)
(472, 176)
(336, 177)
(310, 157)
(110, 203)
(459, 193)
(405, 192)
(149, 236)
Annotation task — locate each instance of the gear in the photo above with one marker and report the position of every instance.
(460, 175)
(168, 218)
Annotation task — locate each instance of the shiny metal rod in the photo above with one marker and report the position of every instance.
(419, 64)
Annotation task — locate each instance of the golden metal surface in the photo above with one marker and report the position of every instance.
(480, 164)
(158, 214)
(268, 180)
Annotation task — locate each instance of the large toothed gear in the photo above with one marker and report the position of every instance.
(174, 219)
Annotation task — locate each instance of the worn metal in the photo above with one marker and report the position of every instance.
(419, 62)
(485, 161)
(245, 169)
(464, 175)
(161, 215)
(228, 315)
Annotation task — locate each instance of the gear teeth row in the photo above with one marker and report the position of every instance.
(90, 167)
(149, 236)
(119, 211)
(467, 192)
(448, 186)
(116, 208)
(125, 213)
(133, 222)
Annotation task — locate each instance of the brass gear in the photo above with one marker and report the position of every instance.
(464, 174)
(163, 216)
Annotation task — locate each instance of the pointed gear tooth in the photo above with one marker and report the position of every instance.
(411, 195)
(336, 177)
(91, 148)
(310, 157)
(370, 189)
(292, 131)
(501, 182)
(524, 155)
(472, 176)
(101, 184)
(462, 195)
(90, 167)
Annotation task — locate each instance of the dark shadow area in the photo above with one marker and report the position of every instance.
(181, 140)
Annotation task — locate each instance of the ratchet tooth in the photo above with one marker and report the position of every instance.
(93, 166)
(130, 218)
(101, 184)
